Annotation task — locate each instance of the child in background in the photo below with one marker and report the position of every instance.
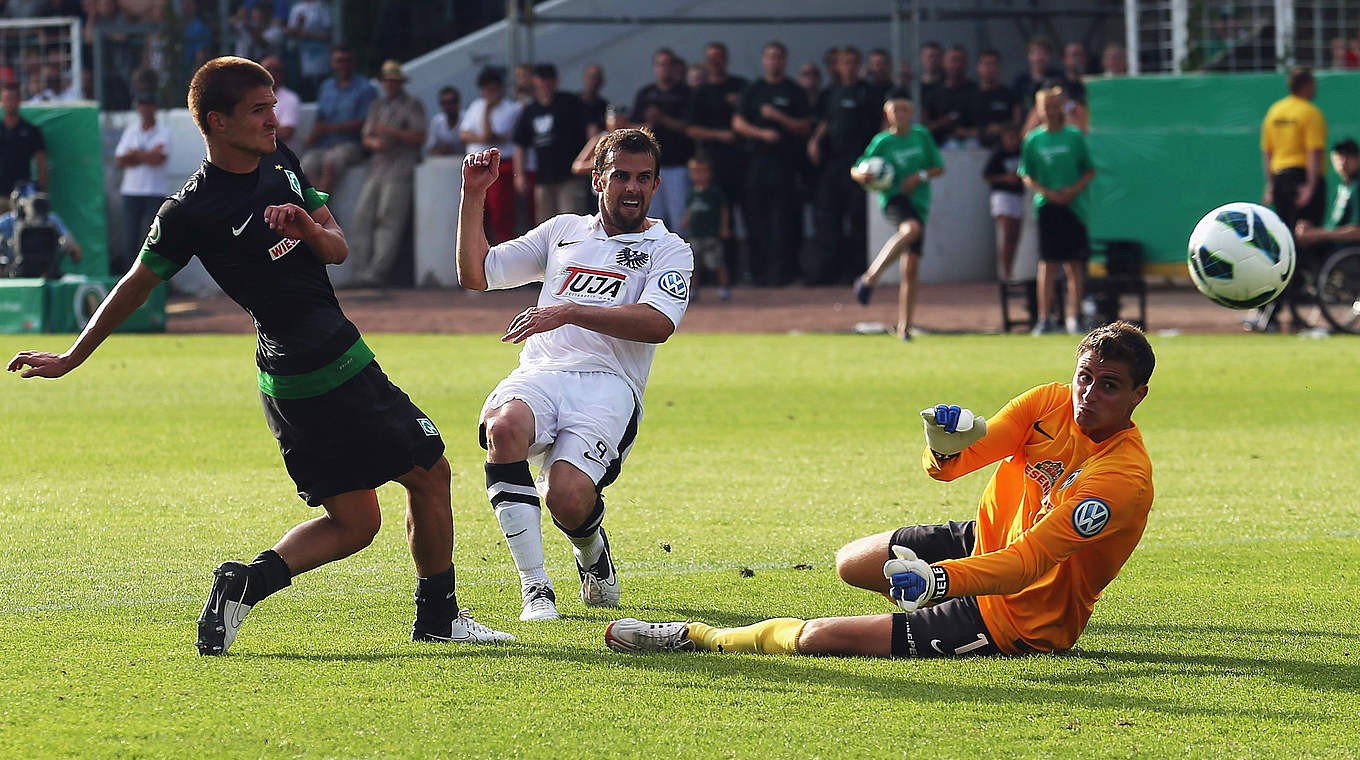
(1008, 199)
(707, 223)
(916, 161)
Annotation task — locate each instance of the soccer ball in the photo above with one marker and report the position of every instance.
(1241, 255)
(879, 171)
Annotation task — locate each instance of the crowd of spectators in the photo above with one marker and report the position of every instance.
(774, 151)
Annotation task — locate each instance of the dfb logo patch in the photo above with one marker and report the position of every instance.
(674, 285)
(1090, 517)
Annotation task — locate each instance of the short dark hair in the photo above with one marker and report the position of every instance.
(1299, 78)
(219, 85)
(775, 44)
(1347, 147)
(7, 86)
(989, 53)
(1121, 342)
(630, 140)
(1039, 40)
(932, 45)
(897, 93)
(490, 75)
(451, 90)
(545, 71)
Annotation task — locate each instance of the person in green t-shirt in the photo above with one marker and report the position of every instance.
(1056, 165)
(1343, 221)
(915, 160)
(707, 224)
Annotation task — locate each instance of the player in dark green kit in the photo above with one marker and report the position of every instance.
(265, 235)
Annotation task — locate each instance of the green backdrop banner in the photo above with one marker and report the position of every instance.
(1169, 149)
(75, 172)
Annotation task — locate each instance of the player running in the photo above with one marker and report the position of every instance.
(614, 285)
(265, 235)
(1059, 518)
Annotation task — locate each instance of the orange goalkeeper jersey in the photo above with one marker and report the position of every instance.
(1058, 519)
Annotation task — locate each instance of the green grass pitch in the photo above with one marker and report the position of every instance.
(1231, 632)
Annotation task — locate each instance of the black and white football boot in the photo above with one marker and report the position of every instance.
(225, 611)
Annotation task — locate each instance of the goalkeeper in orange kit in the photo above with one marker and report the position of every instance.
(1058, 519)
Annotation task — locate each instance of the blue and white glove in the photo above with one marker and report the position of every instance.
(951, 429)
(914, 583)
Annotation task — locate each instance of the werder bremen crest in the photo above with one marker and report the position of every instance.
(293, 183)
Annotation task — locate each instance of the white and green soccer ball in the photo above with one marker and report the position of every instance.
(1241, 255)
(879, 173)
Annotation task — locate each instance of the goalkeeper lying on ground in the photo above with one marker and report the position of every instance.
(1058, 519)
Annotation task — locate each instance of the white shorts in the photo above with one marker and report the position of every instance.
(586, 418)
(1008, 204)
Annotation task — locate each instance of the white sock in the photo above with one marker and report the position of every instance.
(587, 550)
(522, 525)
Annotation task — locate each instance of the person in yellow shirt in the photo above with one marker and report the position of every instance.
(1293, 139)
(1058, 519)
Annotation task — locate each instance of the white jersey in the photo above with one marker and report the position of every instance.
(578, 262)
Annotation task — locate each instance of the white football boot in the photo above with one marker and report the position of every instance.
(632, 635)
(540, 603)
(463, 630)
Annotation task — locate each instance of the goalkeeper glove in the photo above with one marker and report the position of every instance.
(914, 583)
(950, 429)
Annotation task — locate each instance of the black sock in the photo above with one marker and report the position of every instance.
(268, 573)
(436, 601)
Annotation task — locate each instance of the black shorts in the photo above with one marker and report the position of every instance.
(1062, 234)
(900, 209)
(355, 437)
(954, 627)
(1284, 191)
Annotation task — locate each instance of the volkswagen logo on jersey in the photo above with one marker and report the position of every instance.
(1089, 517)
(673, 284)
(631, 258)
(591, 285)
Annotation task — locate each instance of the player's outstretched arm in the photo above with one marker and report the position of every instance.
(129, 294)
(635, 321)
(480, 171)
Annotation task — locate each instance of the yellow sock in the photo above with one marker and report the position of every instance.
(777, 636)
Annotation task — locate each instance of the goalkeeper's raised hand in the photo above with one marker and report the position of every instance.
(914, 583)
(951, 429)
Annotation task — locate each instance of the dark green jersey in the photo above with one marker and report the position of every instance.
(306, 344)
(1345, 206)
(705, 209)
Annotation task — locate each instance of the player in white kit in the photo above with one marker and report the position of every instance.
(615, 284)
